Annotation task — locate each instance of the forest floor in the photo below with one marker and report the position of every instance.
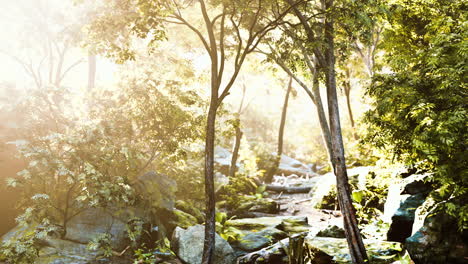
(303, 204)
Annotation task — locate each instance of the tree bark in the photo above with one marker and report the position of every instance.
(271, 172)
(347, 90)
(235, 151)
(321, 114)
(210, 223)
(353, 236)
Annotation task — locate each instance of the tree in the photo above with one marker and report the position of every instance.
(326, 61)
(238, 135)
(47, 38)
(279, 151)
(419, 112)
(244, 22)
(290, 54)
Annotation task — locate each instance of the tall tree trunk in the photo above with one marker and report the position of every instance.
(353, 236)
(348, 103)
(271, 172)
(347, 90)
(209, 243)
(235, 151)
(91, 70)
(321, 114)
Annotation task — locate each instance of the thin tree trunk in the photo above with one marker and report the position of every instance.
(209, 242)
(353, 236)
(347, 90)
(237, 142)
(271, 172)
(321, 115)
(350, 111)
(91, 70)
(235, 151)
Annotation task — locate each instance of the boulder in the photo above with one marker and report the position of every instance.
(263, 238)
(279, 222)
(289, 166)
(53, 250)
(60, 251)
(332, 231)
(190, 209)
(438, 241)
(188, 245)
(254, 204)
(280, 252)
(402, 201)
(416, 184)
(379, 252)
(403, 219)
(183, 219)
(93, 221)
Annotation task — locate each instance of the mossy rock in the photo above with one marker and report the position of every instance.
(295, 225)
(183, 219)
(379, 252)
(332, 231)
(190, 209)
(264, 222)
(257, 240)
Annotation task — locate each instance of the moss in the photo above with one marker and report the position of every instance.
(184, 219)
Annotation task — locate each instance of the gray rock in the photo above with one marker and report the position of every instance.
(65, 252)
(279, 222)
(263, 238)
(438, 241)
(332, 231)
(254, 204)
(289, 166)
(190, 209)
(379, 251)
(183, 219)
(188, 245)
(403, 219)
(416, 184)
(93, 221)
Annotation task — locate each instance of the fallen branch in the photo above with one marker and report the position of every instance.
(272, 254)
(301, 201)
(288, 189)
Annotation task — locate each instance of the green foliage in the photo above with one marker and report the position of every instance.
(144, 255)
(228, 233)
(102, 244)
(23, 247)
(419, 114)
(237, 188)
(265, 157)
(135, 229)
(329, 201)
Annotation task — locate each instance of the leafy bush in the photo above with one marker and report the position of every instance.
(419, 114)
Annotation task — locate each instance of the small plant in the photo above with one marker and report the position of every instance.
(21, 250)
(135, 230)
(24, 247)
(144, 255)
(102, 244)
(228, 233)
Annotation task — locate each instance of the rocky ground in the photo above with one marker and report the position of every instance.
(283, 222)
